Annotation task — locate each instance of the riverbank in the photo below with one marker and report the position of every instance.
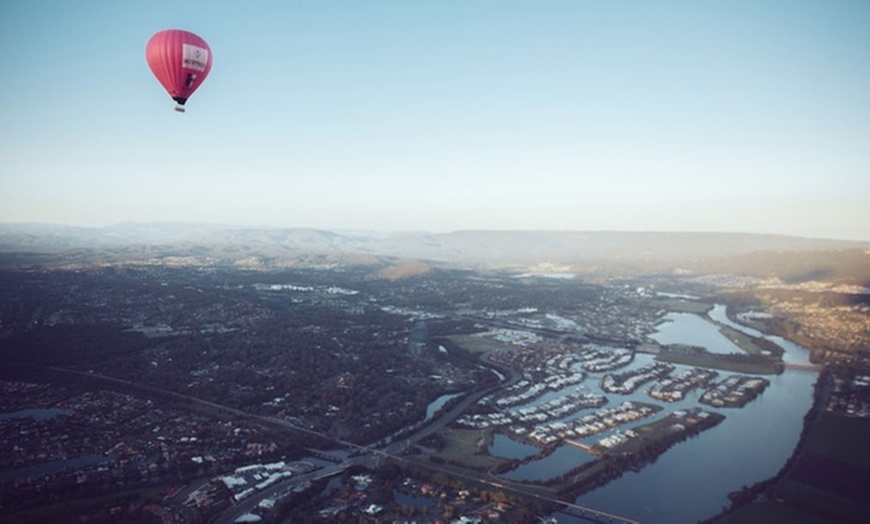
(633, 449)
(822, 481)
(750, 344)
(736, 362)
(734, 392)
(656, 476)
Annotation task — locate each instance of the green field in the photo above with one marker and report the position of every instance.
(474, 344)
(678, 305)
(705, 359)
(462, 447)
(841, 438)
(826, 482)
(772, 513)
(741, 340)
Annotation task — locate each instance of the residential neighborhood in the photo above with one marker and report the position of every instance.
(243, 394)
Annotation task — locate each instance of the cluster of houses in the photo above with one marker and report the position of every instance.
(511, 336)
(329, 290)
(557, 408)
(614, 360)
(524, 391)
(628, 382)
(559, 356)
(582, 354)
(678, 422)
(591, 424)
(412, 501)
(734, 392)
(616, 439)
(850, 396)
(674, 389)
(690, 416)
(115, 438)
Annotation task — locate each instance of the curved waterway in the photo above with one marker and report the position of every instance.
(694, 330)
(438, 403)
(557, 463)
(691, 481)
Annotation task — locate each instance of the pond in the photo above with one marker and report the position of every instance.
(562, 460)
(504, 446)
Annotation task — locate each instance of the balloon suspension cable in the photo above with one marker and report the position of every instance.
(179, 108)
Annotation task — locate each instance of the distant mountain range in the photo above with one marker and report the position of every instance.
(474, 248)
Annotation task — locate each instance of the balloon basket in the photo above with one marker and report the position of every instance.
(179, 108)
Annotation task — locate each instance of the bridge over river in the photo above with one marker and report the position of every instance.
(595, 515)
(803, 367)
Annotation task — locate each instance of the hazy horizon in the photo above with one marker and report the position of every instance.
(554, 116)
(156, 231)
(384, 231)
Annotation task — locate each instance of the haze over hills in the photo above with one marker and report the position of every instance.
(352, 335)
(475, 247)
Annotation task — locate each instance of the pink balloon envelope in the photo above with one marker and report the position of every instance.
(180, 60)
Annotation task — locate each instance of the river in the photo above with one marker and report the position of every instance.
(691, 481)
(36, 414)
(38, 470)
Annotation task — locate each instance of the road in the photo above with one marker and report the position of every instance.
(366, 456)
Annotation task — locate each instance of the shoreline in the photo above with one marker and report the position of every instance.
(749, 495)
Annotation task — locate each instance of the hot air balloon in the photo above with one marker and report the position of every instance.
(180, 60)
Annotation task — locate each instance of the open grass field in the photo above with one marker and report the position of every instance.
(772, 513)
(841, 438)
(827, 482)
(722, 362)
(741, 340)
(462, 445)
(474, 344)
(833, 471)
(678, 305)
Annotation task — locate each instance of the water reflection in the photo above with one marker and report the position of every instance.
(794, 354)
(692, 480)
(564, 459)
(438, 403)
(504, 446)
(693, 330)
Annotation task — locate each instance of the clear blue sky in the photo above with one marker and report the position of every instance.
(484, 114)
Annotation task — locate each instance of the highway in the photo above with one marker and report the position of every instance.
(367, 456)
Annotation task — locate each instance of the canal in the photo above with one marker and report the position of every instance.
(691, 481)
